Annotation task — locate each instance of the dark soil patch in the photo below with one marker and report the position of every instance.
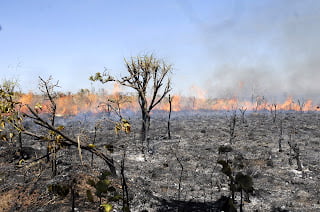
(156, 180)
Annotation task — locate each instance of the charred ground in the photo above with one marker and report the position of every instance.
(180, 173)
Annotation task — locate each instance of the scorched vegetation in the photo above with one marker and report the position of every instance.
(83, 151)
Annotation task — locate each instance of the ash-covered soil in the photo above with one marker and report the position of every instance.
(177, 174)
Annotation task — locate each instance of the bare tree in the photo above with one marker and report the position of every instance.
(260, 103)
(294, 147)
(47, 88)
(301, 104)
(149, 76)
(242, 111)
(273, 111)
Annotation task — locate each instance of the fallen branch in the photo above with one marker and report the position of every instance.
(68, 141)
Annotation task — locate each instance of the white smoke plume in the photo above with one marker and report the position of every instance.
(269, 48)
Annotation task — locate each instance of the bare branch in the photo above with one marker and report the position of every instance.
(68, 141)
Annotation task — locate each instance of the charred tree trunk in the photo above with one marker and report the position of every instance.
(170, 109)
(297, 157)
(94, 141)
(125, 193)
(280, 137)
(274, 118)
(232, 126)
(180, 178)
(232, 189)
(145, 125)
(20, 141)
(73, 195)
(54, 160)
(144, 117)
(296, 152)
(242, 111)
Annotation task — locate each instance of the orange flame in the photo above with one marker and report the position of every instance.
(82, 102)
(175, 104)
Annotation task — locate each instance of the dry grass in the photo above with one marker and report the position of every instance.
(7, 199)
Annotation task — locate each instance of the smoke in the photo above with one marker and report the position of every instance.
(301, 44)
(269, 48)
(243, 82)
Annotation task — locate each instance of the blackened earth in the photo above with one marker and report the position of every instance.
(177, 174)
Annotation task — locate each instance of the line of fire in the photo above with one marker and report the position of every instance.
(86, 101)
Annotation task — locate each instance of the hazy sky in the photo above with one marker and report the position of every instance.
(226, 47)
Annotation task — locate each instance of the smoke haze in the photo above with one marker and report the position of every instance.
(271, 48)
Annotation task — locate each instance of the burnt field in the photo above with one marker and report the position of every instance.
(177, 174)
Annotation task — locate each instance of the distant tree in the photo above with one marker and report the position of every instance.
(149, 76)
(242, 111)
(301, 104)
(273, 111)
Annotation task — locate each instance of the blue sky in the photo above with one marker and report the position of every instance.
(229, 47)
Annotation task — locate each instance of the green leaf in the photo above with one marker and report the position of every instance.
(107, 207)
(91, 146)
(107, 182)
